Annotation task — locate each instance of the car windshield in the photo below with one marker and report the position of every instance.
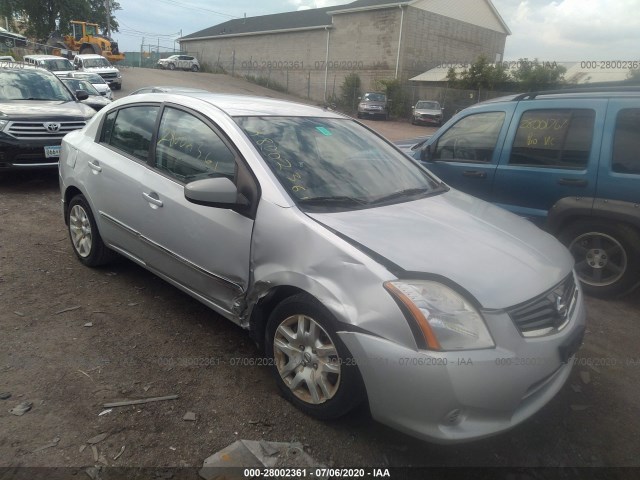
(428, 106)
(27, 84)
(96, 62)
(335, 162)
(375, 97)
(91, 77)
(55, 65)
(76, 84)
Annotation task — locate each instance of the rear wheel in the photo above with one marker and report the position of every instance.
(195, 68)
(607, 256)
(83, 232)
(313, 368)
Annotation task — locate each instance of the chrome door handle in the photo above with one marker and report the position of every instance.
(150, 198)
(95, 166)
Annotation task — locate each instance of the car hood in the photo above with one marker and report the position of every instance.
(99, 70)
(428, 111)
(43, 109)
(369, 103)
(499, 258)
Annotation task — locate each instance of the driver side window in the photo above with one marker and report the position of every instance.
(472, 139)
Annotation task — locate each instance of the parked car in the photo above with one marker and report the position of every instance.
(95, 99)
(362, 275)
(36, 111)
(96, 80)
(92, 63)
(6, 58)
(12, 39)
(182, 62)
(567, 160)
(427, 112)
(168, 89)
(56, 64)
(373, 104)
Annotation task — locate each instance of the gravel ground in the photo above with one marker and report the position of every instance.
(74, 338)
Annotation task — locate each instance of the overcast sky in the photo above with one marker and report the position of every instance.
(558, 30)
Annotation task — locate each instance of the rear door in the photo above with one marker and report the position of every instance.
(466, 154)
(551, 152)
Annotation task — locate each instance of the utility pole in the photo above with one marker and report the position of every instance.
(106, 6)
(141, 52)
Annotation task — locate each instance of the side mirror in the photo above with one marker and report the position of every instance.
(413, 107)
(82, 95)
(215, 192)
(425, 153)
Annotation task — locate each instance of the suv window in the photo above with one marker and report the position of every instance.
(187, 148)
(32, 84)
(626, 142)
(472, 139)
(130, 130)
(554, 138)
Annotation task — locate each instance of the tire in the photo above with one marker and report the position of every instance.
(171, 66)
(322, 382)
(194, 68)
(607, 256)
(85, 237)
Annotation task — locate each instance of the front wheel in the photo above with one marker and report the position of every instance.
(171, 66)
(312, 367)
(607, 256)
(83, 232)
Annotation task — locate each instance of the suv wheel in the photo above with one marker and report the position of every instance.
(312, 367)
(194, 68)
(607, 256)
(171, 66)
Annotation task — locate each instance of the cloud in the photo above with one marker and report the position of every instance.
(572, 29)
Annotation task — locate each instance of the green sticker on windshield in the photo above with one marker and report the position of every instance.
(324, 131)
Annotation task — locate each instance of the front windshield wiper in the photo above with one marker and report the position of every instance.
(340, 200)
(402, 193)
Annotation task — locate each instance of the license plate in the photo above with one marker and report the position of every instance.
(52, 152)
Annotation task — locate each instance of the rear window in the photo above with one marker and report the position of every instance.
(626, 142)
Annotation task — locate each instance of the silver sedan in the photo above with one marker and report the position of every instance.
(363, 276)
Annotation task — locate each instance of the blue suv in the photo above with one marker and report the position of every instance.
(569, 160)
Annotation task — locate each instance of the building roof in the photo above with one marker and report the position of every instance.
(298, 20)
(321, 18)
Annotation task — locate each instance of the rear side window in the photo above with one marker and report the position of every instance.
(626, 142)
(472, 139)
(130, 130)
(554, 138)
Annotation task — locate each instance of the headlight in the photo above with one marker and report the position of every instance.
(445, 318)
(3, 123)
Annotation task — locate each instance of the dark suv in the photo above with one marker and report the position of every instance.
(36, 111)
(569, 160)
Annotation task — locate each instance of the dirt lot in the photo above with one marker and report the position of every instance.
(73, 338)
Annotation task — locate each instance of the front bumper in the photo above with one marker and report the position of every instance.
(449, 397)
(21, 155)
(428, 120)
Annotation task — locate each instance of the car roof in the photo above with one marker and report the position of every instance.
(89, 55)
(238, 105)
(45, 57)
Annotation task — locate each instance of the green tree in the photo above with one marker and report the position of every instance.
(350, 91)
(397, 96)
(40, 16)
(535, 75)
